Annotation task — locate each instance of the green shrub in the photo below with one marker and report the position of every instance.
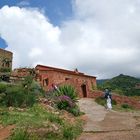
(65, 98)
(126, 106)
(133, 92)
(3, 87)
(67, 90)
(14, 96)
(118, 91)
(70, 132)
(23, 134)
(20, 134)
(64, 102)
(102, 101)
(114, 102)
(20, 95)
(5, 69)
(75, 111)
(17, 96)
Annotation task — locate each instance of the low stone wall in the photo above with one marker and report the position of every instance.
(119, 99)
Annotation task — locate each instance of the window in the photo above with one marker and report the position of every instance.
(46, 82)
(67, 78)
(7, 64)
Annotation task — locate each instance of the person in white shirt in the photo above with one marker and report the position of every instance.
(108, 101)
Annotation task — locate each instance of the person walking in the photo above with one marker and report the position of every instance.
(108, 102)
(108, 97)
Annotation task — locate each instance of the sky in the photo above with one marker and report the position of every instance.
(99, 38)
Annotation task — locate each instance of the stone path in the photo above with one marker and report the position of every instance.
(106, 125)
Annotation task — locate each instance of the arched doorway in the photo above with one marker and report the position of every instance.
(84, 90)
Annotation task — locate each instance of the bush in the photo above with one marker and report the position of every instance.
(66, 98)
(118, 91)
(75, 111)
(70, 132)
(5, 69)
(23, 95)
(102, 101)
(68, 91)
(133, 92)
(23, 134)
(16, 96)
(64, 102)
(126, 106)
(114, 102)
(3, 87)
(20, 135)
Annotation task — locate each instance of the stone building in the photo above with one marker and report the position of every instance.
(5, 62)
(19, 74)
(48, 76)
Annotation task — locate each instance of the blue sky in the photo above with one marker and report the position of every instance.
(56, 10)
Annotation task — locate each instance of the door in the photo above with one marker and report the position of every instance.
(84, 90)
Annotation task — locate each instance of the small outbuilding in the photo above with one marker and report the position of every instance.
(50, 76)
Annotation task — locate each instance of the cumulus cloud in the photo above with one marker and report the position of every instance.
(102, 39)
(106, 36)
(30, 37)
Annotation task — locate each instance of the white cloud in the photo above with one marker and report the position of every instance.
(102, 39)
(30, 36)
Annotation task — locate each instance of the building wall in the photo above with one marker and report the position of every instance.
(18, 75)
(48, 77)
(5, 59)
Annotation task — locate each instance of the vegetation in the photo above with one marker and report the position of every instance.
(119, 107)
(126, 106)
(102, 101)
(66, 98)
(33, 121)
(39, 123)
(5, 70)
(122, 84)
(21, 134)
(67, 90)
(21, 95)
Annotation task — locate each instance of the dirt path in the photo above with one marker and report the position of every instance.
(5, 132)
(102, 124)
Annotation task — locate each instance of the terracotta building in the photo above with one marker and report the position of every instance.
(48, 76)
(5, 62)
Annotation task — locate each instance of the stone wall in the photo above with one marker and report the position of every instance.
(5, 61)
(19, 74)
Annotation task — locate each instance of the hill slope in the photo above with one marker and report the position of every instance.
(123, 83)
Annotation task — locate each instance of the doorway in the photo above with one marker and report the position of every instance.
(84, 90)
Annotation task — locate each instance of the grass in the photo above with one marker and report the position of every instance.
(33, 116)
(102, 101)
(38, 123)
(70, 131)
(118, 107)
(125, 107)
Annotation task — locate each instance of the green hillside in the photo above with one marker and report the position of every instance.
(122, 84)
